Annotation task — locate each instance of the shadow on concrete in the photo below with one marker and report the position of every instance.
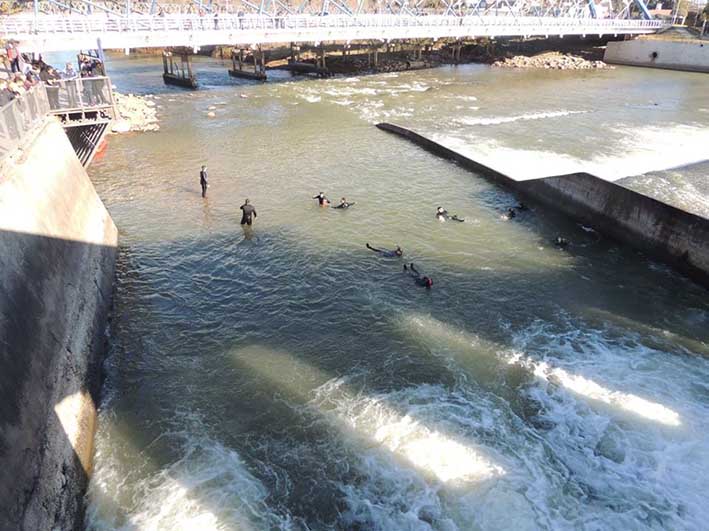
(54, 301)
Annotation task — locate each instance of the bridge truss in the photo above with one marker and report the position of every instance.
(54, 25)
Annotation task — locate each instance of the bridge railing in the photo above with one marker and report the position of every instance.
(80, 95)
(28, 25)
(19, 117)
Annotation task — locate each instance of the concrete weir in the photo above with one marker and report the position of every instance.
(664, 232)
(57, 256)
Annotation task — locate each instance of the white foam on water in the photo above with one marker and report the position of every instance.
(644, 150)
(421, 466)
(647, 449)
(208, 488)
(496, 120)
(625, 424)
(310, 98)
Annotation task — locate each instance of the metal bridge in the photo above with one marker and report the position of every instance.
(55, 26)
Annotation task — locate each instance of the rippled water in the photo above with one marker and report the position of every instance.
(287, 378)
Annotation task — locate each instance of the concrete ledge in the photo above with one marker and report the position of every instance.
(666, 233)
(690, 56)
(57, 256)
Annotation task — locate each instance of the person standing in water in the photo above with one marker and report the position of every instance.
(249, 213)
(322, 200)
(203, 180)
(396, 253)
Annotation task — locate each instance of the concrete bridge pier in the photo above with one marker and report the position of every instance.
(178, 73)
(238, 63)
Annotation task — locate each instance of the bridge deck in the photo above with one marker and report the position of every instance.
(58, 33)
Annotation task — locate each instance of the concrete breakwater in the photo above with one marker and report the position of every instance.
(692, 56)
(57, 257)
(664, 232)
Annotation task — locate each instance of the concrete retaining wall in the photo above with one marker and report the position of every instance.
(655, 53)
(669, 234)
(57, 259)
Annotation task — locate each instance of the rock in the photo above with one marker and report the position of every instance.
(211, 108)
(551, 60)
(211, 114)
(121, 126)
(134, 113)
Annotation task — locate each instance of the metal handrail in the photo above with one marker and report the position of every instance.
(20, 116)
(58, 24)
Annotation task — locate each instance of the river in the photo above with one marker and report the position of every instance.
(288, 378)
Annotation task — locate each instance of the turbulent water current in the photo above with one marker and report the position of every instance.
(288, 378)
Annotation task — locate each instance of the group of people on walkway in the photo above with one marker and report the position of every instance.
(25, 72)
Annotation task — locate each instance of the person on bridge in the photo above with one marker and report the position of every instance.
(69, 72)
(443, 215)
(322, 200)
(249, 213)
(385, 253)
(421, 280)
(50, 78)
(344, 204)
(203, 180)
(13, 55)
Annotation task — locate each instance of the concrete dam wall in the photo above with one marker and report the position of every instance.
(692, 56)
(664, 232)
(57, 256)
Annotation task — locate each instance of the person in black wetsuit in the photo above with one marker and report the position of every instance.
(397, 253)
(322, 200)
(421, 280)
(443, 215)
(203, 180)
(344, 204)
(561, 242)
(510, 214)
(249, 213)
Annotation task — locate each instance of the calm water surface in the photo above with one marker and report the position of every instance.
(287, 378)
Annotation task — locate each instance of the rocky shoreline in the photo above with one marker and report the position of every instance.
(135, 113)
(550, 61)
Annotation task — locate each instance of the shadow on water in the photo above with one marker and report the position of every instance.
(246, 334)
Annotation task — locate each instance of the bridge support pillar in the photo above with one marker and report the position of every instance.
(238, 63)
(178, 73)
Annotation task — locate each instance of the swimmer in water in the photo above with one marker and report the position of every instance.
(510, 214)
(322, 200)
(397, 253)
(443, 215)
(421, 280)
(344, 204)
(561, 242)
